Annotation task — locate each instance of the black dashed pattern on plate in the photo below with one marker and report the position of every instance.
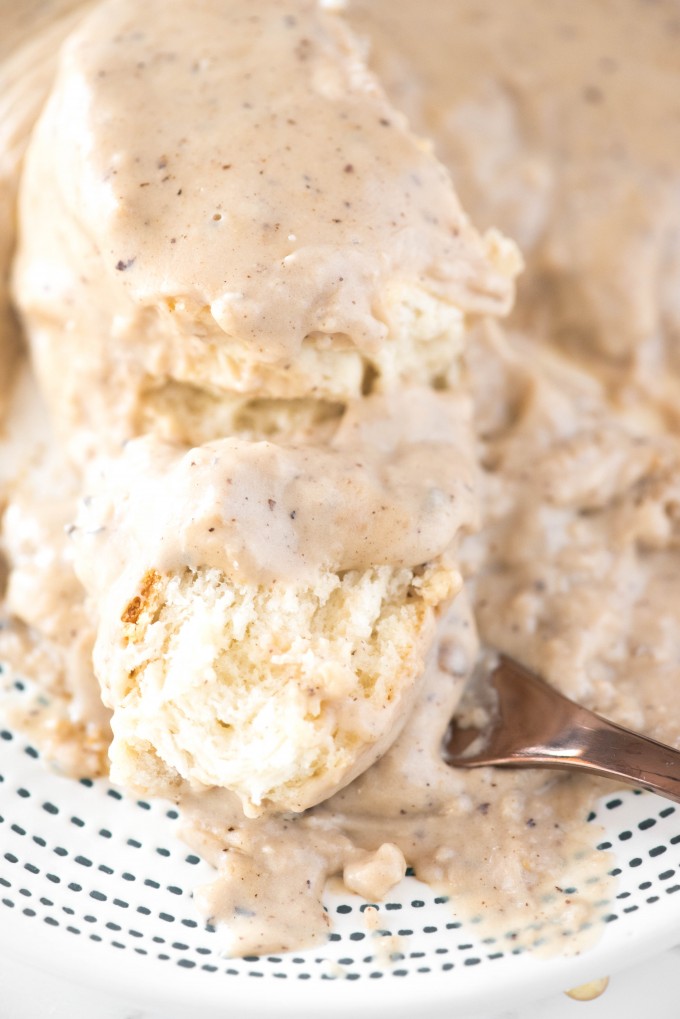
(82, 858)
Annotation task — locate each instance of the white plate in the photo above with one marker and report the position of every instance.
(97, 887)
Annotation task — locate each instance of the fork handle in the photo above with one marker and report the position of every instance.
(604, 748)
(581, 739)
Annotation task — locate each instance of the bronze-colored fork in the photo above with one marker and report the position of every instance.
(537, 727)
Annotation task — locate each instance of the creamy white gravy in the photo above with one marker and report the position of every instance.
(224, 231)
(575, 569)
(560, 124)
(31, 35)
(388, 489)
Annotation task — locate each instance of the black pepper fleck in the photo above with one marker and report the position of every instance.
(592, 94)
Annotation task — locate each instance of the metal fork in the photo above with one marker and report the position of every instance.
(535, 726)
